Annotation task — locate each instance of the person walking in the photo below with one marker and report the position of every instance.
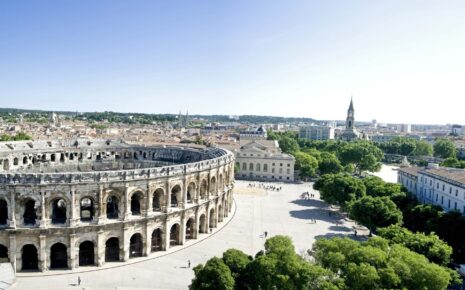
(188, 263)
(266, 234)
(79, 281)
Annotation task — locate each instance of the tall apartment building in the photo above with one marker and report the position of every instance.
(317, 132)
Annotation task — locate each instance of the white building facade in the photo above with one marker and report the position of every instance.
(436, 185)
(317, 132)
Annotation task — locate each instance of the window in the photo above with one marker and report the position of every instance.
(287, 178)
(280, 177)
(288, 165)
(437, 185)
(443, 187)
(450, 189)
(265, 167)
(280, 164)
(442, 199)
(273, 164)
(272, 170)
(456, 192)
(257, 167)
(288, 171)
(244, 166)
(250, 166)
(280, 170)
(448, 204)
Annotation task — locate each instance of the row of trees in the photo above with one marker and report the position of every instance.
(378, 204)
(322, 157)
(337, 263)
(18, 137)
(443, 148)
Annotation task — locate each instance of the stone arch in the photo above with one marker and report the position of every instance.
(203, 224)
(203, 189)
(212, 218)
(30, 212)
(136, 246)
(157, 240)
(29, 258)
(213, 186)
(112, 250)
(3, 254)
(136, 201)
(220, 183)
(58, 256)
(190, 234)
(112, 207)
(175, 235)
(15, 161)
(220, 213)
(86, 253)
(175, 195)
(86, 209)
(25, 159)
(191, 192)
(3, 212)
(58, 210)
(158, 199)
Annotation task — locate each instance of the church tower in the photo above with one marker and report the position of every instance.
(350, 126)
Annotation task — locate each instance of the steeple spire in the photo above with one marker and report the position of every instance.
(351, 106)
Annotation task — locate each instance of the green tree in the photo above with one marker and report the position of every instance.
(237, 262)
(329, 164)
(288, 145)
(376, 187)
(306, 163)
(376, 264)
(444, 148)
(339, 189)
(214, 275)
(423, 148)
(374, 212)
(363, 155)
(430, 246)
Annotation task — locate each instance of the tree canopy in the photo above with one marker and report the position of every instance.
(363, 155)
(339, 189)
(444, 148)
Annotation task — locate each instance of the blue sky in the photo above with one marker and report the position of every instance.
(403, 61)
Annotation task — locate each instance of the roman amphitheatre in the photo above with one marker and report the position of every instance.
(69, 204)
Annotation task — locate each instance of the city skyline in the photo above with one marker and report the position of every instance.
(402, 62)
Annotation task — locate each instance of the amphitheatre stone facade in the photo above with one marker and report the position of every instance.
(73, 203)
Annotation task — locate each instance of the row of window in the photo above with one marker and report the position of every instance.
(257, 167)
(267, 177)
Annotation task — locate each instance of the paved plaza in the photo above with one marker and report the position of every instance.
(257, 210)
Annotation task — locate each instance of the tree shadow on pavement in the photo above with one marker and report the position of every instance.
(310, 202)
(340, 229)
(315, 213)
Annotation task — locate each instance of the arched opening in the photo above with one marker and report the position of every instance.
(24, 160)
(87, 209)
(136, 246)
(135, 155)
(203, 224)
(3, 212)
(62, 157)
(190, 192)
(190, 229)
(157, 199)
(53, 157)
(6, 164)
(156, 240)
(220, 181)
(3, 254)
(112, 250)
(44, 158)
(29, 258)
(212, 222)
(58, 211)
(220, 213)
(30, 215)
(112, 207)
(58, 256)
(213, 186)
(203, 189)
(15, 161)
(135, 203)
(174, 235)
(175, 192)
(86, 254)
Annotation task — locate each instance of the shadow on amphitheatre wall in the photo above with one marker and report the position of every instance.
(310, 203)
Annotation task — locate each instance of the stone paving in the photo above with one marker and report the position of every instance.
(278, 213)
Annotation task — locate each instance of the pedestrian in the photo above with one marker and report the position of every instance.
(266, 234)
(188, 263)
(355, 232)
(79, 281)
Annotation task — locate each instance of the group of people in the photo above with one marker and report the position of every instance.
(306, 195)
(265, 186)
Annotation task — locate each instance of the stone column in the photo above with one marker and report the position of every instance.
(100, 248)
(167, 197)
(148, 240)
(73, 221)
(12, 251)
(127, 206)
(182, 229)
(42, 254)
(101, 204)
(148, 204)
(43, 218)
(184, 193)
(166, 235)
(195, 234)
(126, 240)
(72, 251)
(12, 223)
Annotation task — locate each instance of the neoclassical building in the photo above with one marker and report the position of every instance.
(74, 203)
